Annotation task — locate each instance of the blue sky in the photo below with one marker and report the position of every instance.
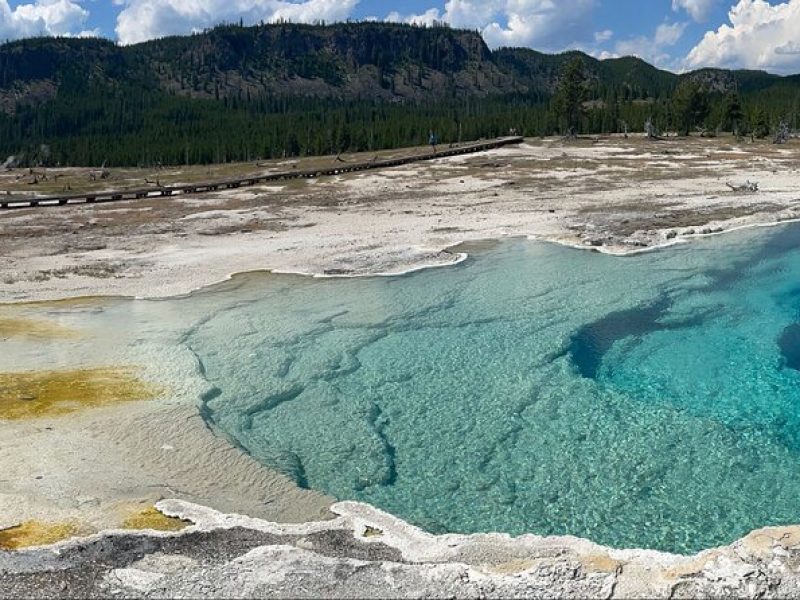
(673, 34)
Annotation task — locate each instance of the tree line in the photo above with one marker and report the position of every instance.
(240, 94)
(135, 127)
(691, 107)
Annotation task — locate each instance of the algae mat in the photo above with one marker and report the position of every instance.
(36, 533)
(34, 329)
(33, 394)
(152, 518)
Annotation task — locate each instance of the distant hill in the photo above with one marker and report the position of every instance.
(345, 61)
(76, 95)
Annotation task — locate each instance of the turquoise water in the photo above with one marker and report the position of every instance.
(651, 401)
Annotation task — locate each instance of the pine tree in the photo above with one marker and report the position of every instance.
(690, 107)
(734, 115)
(570, 95)
(759, 123)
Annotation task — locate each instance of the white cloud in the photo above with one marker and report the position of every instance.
(142, 20)
(310, 10)
(471, 13)
(43, 17)
(547, 24)
(654, 49)
(427, 18)
(697, 9)
(669, 34)
(760, 36)
(788, 48)
(603, 36)
(603, 54)
(457, 13)
(643, 47)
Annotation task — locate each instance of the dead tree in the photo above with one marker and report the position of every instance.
(703, 131)
(748, 186)
(783, 134)
(651, 131)
(102, 174)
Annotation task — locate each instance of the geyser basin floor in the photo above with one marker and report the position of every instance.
(641, 402)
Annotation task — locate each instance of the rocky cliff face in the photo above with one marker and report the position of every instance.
(367, 553)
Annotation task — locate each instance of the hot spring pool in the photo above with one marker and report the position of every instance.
(651, 401)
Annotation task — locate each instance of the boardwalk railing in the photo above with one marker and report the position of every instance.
(200, 188)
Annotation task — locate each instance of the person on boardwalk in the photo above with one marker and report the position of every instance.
(433, 140)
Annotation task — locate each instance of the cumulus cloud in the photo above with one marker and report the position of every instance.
(789, 48)
(472, 13)
(141, 20)
(603, 54)
(697, 9)
(669, 34)
(547, 24)
(44, 17)
(429, 17)
(603, 36)
(760, 36)
(457, 13)
(654, 49)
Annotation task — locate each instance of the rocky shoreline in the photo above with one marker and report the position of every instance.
(365, 553)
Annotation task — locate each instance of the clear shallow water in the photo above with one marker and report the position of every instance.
(651, 401)
(639, 402)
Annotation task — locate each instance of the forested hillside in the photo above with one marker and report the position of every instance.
(241, 93)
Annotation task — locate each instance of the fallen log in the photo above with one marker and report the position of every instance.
(748, 186)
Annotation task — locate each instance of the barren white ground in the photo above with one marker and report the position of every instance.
(615, 195)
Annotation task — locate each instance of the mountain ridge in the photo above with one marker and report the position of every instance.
(234, 92)
(346, 61)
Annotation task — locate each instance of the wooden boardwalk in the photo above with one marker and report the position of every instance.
(229, 184)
